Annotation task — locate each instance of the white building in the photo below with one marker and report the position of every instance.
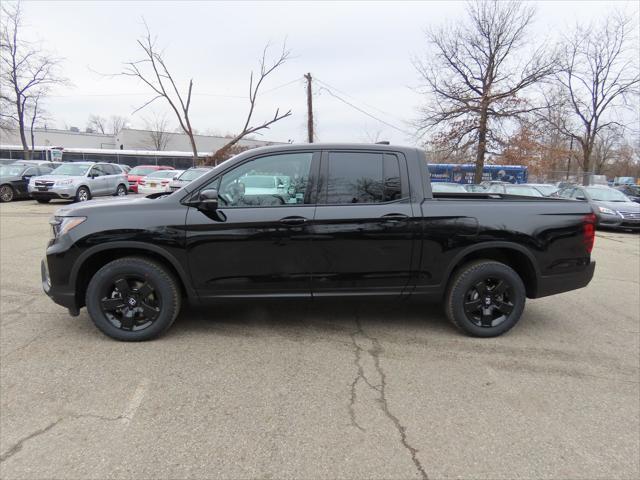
(127, 139)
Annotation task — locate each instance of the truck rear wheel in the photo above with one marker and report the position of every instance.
(133, 299)
(485, 298)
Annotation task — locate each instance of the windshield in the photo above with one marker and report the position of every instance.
(528, 191)
(162, 174)
(445, 187)
(11, 170)
(71, 169)
(606, 195)
(254, 181)
(192, 174)
(142, 170)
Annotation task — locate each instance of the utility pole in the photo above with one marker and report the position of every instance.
(309, 109)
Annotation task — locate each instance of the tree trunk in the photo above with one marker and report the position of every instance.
(23, 137)
(586, 164)
(194, 149)
(482, 142)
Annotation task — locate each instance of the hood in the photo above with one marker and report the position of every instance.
(94, 206)
(619, 206)
(53, 178)
(9, 178)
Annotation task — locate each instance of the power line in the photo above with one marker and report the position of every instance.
(364, 111)
(354, 98)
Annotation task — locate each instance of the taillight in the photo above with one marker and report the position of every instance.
(589, 231)
(141, 182)
(165, 182)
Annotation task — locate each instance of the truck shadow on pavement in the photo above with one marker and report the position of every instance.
(304, 318)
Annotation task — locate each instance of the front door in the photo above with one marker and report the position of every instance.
(363, 227)
(257, 243)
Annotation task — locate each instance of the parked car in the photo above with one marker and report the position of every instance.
(546, 189)
(613, 208)
(14, 179)
(515, 189)
(438, 187)
(157, 182)
(353, 220)
(187, 176)
(631, 191)
(79, 181)
(141, 171)
(474, 188)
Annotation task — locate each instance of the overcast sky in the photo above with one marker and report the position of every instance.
(361, 50)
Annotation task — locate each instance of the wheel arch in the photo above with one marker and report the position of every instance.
(92, 260)
(513, 255)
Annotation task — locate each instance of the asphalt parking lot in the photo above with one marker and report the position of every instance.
(320, 390)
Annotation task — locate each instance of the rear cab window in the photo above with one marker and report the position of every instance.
(362, 178)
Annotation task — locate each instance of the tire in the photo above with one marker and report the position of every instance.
(7, 193)
(83, 194)
(43, 200)
(479, 305)
(103, 291)
(121, 191)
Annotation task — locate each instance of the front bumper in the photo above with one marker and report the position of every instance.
(618, 222)
(67, 192)
(133, 187)
(61, 296)
(552, 284)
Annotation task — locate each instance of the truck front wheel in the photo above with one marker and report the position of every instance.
(133, 299)
(485, 298)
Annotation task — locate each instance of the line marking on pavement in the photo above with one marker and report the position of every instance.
(136, 400)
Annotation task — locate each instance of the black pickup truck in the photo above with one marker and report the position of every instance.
(311, 221)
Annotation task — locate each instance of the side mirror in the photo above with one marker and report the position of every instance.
(208, 200)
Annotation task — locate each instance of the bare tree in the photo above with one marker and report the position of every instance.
(152, 70)
(266, 68)
(97, 124)
(598, 77)
(477, 75)
(117, 123)
(27, 73)
(158, 132)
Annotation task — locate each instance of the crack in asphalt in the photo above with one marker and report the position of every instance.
(17, 447)
(380, 389)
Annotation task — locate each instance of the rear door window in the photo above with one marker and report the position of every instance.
(362, 177)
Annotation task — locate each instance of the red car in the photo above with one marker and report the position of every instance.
(141, 171)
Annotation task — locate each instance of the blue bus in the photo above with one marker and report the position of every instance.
(463, 173)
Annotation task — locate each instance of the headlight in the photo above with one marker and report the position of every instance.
(606, 210)
(68, 181)
(62, 225)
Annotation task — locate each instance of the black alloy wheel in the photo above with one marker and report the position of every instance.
(131, 303)
(488, 303)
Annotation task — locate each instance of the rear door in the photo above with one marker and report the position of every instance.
(362, 229)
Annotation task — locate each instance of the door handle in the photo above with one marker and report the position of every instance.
(395, 217)
(293, 220)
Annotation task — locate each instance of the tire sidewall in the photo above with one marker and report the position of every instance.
(471, 275)
(121, 187)
(78, 194)
(162, 284)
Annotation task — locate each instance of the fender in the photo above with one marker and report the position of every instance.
(184, 277)
(492, 245)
